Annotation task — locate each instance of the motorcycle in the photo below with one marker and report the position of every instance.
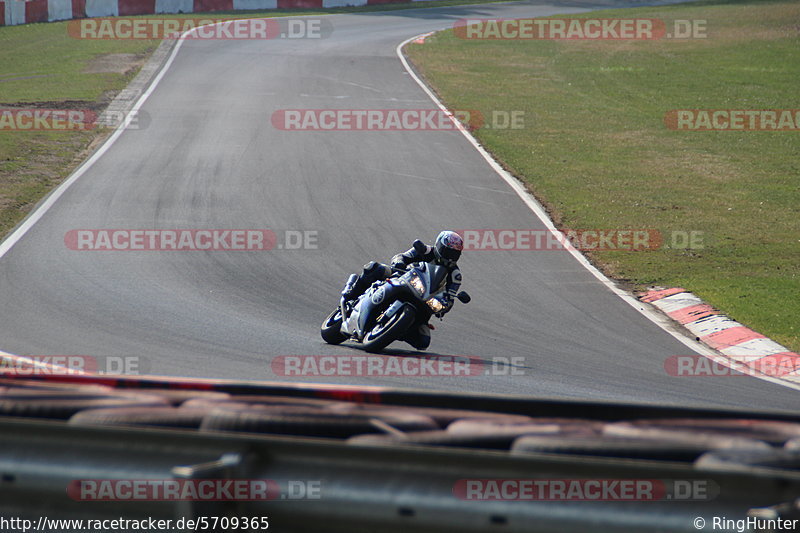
(388, 308)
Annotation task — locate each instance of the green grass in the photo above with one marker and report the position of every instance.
(42, 66)
(42, 63)
(596, 152)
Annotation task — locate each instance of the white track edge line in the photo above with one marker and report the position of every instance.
(534, 205)
(51, 199)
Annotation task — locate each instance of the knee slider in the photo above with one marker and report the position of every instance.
(371, 267)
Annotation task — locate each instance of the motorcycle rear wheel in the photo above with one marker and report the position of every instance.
(331, 329)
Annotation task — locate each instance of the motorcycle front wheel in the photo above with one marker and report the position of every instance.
(388, 330)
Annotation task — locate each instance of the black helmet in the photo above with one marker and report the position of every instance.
(448, 248)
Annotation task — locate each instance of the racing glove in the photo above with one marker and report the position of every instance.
(448, 305)
(398, 262)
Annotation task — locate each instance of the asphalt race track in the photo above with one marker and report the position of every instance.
(210, 158)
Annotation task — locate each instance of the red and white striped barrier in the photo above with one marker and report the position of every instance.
(13, 12)
(730, 338)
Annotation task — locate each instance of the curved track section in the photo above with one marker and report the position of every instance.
(210, 158)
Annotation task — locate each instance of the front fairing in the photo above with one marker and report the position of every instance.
(372, 303)
(431, 280)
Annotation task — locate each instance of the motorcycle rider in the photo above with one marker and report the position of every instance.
(445, 251)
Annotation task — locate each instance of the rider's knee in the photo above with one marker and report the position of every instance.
(370, 267)
(375, 270)
(422, 339)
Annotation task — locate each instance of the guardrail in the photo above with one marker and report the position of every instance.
(351, 459)
(361, 488)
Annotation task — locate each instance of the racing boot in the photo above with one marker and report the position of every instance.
(348, 293)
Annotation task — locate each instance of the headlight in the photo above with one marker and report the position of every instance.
(435, 305)
(416, 284)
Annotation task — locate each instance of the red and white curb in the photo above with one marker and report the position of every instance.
(421, 39)
(732, 340)
(14, 12)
